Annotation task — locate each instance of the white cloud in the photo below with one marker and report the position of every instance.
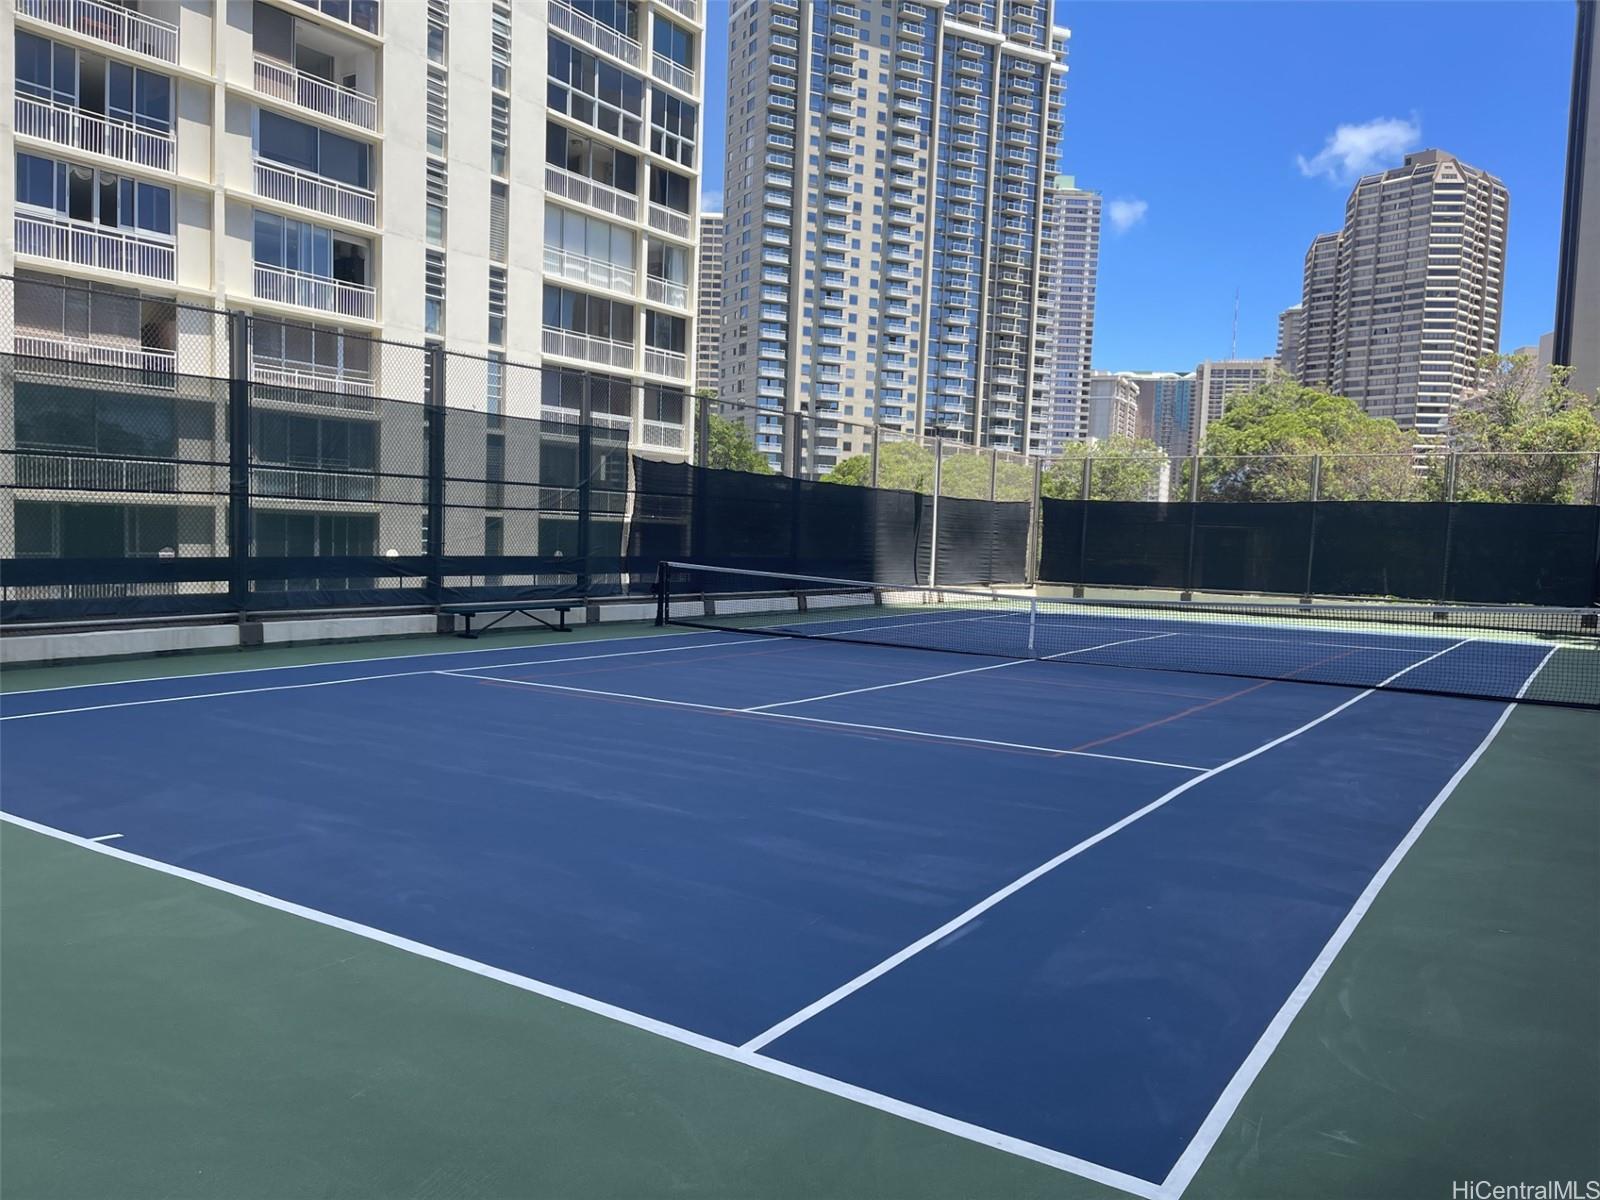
(1355, 150)
(710, 201)
(1125, 214)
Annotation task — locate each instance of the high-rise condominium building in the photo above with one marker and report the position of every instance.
(1171, 404)
(1113, 406)
(1577, 332)
(1319, 312)
(1416, 299)
(1291, 321)
(887, 164)
(1072, 261)
(516, 179)
(1214, 384)
(708, 330)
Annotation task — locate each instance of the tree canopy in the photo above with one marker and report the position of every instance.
(964, 473)
(731, 448)
(1122, 468)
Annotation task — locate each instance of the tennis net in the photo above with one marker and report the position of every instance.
(1543, 655)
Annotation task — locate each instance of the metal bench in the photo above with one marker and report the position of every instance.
(528, 608)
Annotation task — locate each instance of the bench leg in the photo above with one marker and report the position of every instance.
(467, 631)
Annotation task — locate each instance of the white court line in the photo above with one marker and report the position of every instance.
(686, 1037)
(289, 687)
(347, 662)
(855, 726)
(1437, 654)
(879, 687)
(917, 947)
(1205, 1138)
(106, 837)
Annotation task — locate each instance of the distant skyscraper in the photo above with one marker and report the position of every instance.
(1113, 406)
(1171, 412)
(886, 170)
(708, 281)
(1290, 323)
(1415, 300)
(1319, 312)
(1214, 383)
(1577, 333)
(1072, 259)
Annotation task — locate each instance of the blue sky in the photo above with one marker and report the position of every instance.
(1214, 132)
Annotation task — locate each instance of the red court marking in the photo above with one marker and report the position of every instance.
(1178, 716)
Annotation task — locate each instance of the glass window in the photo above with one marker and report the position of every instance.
(286, 141)
(33, 65)
(36, 178)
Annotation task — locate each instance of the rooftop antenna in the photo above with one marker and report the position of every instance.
(1234, 353)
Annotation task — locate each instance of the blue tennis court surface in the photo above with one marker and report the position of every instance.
(1053, 905)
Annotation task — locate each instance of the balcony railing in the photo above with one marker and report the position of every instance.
(284, 286)
(69, 126)
(86, 245)
(69, 472)
(669, 221)
(591, 271)
(109, 23)
(661, 433)
(591, 349)
(666, 362)
(602, 37)
(664, 291)
(158, 366)
(287, 483)
(671, 73)
(688, 9)
(565, 185)
(284, 82)
(322, 387)
(289, 185)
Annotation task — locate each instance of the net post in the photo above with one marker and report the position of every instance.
(661, 593)
(1033, 620)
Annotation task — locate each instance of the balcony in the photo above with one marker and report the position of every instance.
(289, 484)
(564, 185)
(602, 351)
(317, 386)
(687, 9)
(591, 272)
(670, 221)
(283, 82)
(664, 291)
(602, 37)
(661, 433)
(108, 23)
(280, 285)
(83, 474)
(68, 126)
(290, 185)
(156, 368)
(666, 362)
(86, 245)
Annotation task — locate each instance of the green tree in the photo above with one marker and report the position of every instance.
(1523, 435)
(731, 448)
(1262, 448)
(1122, 468)
(904, 466)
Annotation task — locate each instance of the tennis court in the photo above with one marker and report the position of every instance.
(1051, 878)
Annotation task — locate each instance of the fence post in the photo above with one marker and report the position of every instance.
(994, 468)
(433, 424)
(702, 431)
(1450, 466)
(933, 546)
(1035, 524)
(1311, 539)
(877, 437)
(1081, 581)
(1194, 519)
(586, 472)
(238, 327)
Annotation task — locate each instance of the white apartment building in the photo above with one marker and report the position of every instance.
(1113, 406)
(1404, 302)
(421, 171)
(514, 180)
(708, 304)
(1214, 383)
(1291, 324)
(1072, 265)
(884, 186)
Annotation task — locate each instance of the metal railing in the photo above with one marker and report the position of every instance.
(664, 291)
(663, 434)
(86, 245)
(564, 185)
(671, 73)
(157, 367)
(321, 387)
(599, 350)
(109, 23)
(684, 8)
(592, 271)
(666, 362)
(309, 92)
(602, 37)
(288, 483)
(94, 474)
(670, 221)
(289, 185)
(284, 286)
(66, 125)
